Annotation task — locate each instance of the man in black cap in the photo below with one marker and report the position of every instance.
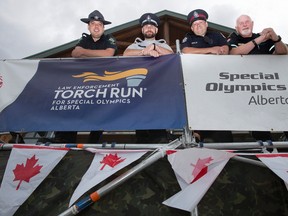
(97, 44)
(149, 47)
(245, 42)
(200, 41)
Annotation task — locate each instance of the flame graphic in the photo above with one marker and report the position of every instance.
(111, 76)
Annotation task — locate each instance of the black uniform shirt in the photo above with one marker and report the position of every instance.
(211, 39)
(266, 47)
(105, 41)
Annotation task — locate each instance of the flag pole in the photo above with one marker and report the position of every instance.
(250, 161)
(224, 146)
(95, 196)
(9, 146)
(245, 145)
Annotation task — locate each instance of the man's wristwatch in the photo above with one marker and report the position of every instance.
(278, 40)
(255, 44)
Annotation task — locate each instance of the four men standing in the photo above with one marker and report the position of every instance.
(198, 41)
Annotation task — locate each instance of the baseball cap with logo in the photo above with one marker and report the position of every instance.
(198, 14)
(95, 15)
(149, 18)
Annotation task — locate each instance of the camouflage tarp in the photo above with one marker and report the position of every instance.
(240, 189)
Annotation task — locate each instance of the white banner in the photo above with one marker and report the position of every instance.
(18, 73)
(236, 92)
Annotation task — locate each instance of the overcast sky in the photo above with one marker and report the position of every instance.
(32, 26)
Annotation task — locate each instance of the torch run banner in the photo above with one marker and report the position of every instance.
(92, 94)
(236, 92)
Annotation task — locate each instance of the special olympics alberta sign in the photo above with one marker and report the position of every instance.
(236, 92)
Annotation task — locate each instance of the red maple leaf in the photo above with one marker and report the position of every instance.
(111, 160)
(201, 168)
(25, 173)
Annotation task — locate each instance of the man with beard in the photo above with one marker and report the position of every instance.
(149, 47)
(245, 42)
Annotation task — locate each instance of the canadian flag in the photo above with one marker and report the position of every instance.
(104, 164)
(27, 167)
(195, 169)
(278, 163)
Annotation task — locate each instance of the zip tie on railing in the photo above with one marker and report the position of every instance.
(270, 143)
(260, 142)
(264, 148)
(104, 144)
(113, 144)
